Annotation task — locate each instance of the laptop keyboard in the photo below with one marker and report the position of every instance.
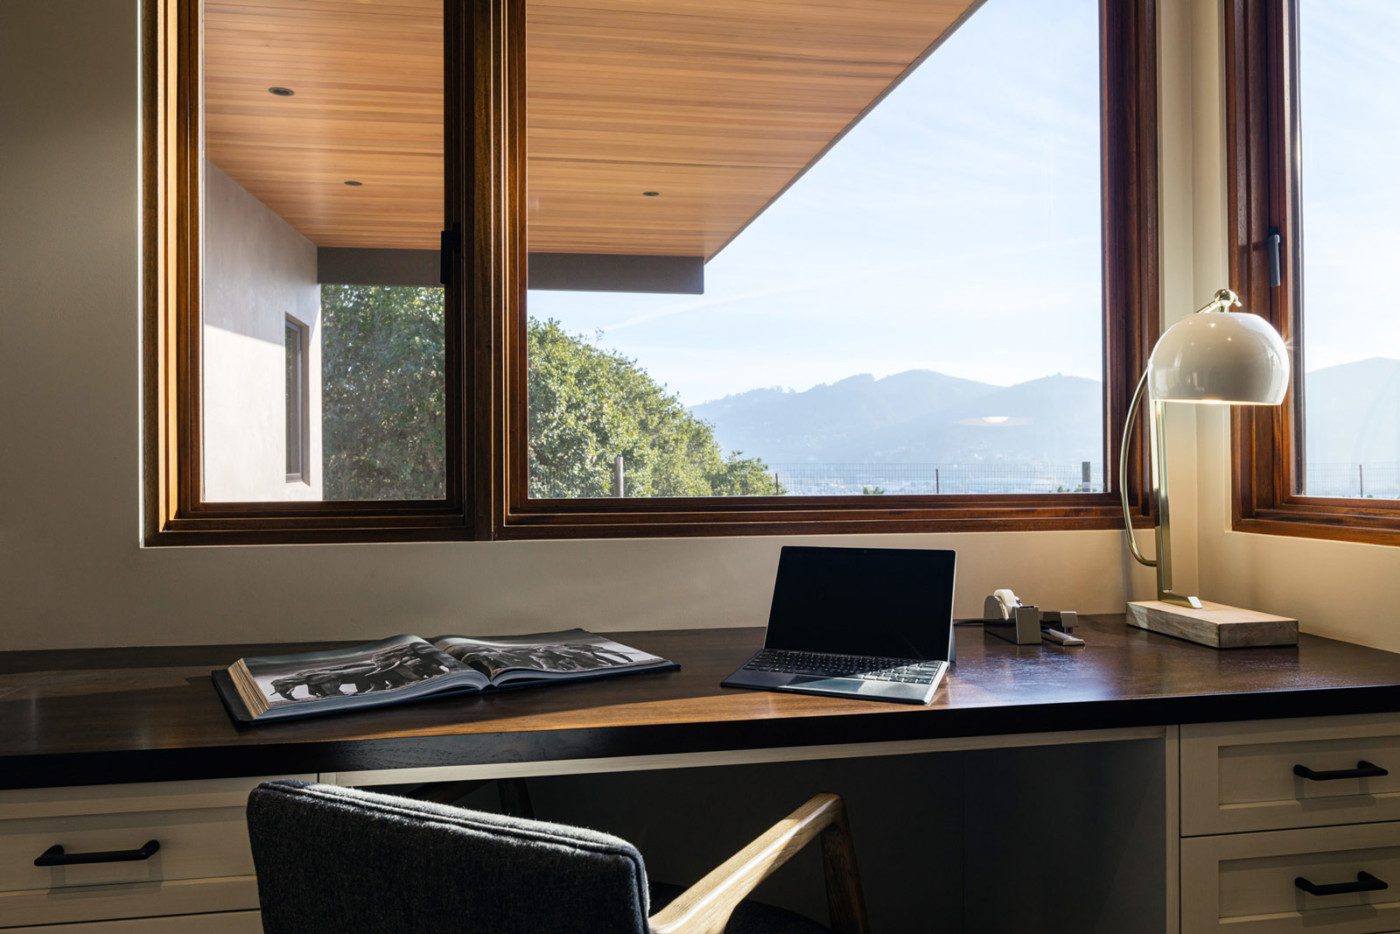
(862, 667)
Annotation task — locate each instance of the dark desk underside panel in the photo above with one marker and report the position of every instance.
(123, 715)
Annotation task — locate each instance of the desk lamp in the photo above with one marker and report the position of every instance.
(1213, 357)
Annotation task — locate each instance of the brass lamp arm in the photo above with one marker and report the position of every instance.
(1123, 473)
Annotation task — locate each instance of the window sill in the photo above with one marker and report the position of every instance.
(611, 518)
(1333, 522)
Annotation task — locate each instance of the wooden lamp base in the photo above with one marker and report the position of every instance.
(1214, 624)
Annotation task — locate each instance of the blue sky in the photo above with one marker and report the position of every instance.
(956, 229)
(1349, 54)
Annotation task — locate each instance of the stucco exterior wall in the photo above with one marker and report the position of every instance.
(257, 271)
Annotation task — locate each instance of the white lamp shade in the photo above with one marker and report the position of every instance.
(1226, 357)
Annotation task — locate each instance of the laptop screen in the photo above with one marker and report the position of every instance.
(889, 602)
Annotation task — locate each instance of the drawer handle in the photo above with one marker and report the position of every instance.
(1363, 769)
(1365, 882)
(54, 855)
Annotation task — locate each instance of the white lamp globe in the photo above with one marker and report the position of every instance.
(1221, 357)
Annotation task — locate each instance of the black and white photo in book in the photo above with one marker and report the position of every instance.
(394, 663)
(405, 667)
(566, 652)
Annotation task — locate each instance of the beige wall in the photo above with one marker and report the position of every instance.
(257, 271)
(71, 569)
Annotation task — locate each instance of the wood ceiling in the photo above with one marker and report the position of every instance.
(716, 104)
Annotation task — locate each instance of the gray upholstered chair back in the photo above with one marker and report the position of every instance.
(338, 859)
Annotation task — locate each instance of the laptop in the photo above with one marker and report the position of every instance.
(857, 622)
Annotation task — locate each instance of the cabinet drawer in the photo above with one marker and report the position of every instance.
(1246, 883)
(1241, 776)
(224, 922)
(203, 863)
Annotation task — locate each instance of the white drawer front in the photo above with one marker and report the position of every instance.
(1241, 776)
(1246, 883)
(195, 844)
(203, 863)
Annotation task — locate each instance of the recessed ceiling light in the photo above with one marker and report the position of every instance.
(651, 194)
(280, 91)
(352, 183)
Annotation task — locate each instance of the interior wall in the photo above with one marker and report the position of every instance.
(71, 566)
(257, 271)
(1346, 590)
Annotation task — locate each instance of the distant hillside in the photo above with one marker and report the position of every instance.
(915, 416)
(1353, 412)
(924, 417)
(781, 425)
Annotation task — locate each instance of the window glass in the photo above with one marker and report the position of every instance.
(295, 417)
(776, 250)
(1349, 123)
(322, 199)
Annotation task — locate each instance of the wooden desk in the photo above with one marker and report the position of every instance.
(141, 731)
(132, 715)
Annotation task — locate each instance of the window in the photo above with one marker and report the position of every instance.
(839, 319)
(1315, 208)
(311, 382)
(297, 418)
(827, 268)
(763, 267)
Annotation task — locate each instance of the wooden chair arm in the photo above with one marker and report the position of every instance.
(705, 907)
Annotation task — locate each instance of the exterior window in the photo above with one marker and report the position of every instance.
(1316, 214)
(297, 418)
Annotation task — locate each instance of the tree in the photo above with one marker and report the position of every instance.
(383, 415)
(589, 405)
(383, 419)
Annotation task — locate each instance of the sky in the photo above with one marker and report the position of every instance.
(1349, 117)
(956, 228)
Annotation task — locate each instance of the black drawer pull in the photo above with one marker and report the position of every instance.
(1363, 769)
(1365, 882)
(54, 855)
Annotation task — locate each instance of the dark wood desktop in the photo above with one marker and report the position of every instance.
(151, 714)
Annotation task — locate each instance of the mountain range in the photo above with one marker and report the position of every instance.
(920, 416)
(1354, 412)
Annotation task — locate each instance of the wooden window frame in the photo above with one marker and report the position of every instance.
(174, 510)
(1261, 118)
(486, 368)
(1128, 53)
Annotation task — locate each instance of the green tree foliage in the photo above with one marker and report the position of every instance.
(382, 384)
(383, 416)
(589, 405)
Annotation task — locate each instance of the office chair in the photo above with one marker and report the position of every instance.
(342, 859)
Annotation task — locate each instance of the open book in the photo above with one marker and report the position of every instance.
(404, 668)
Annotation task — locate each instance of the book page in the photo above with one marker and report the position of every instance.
(570, 651)
(386, 666)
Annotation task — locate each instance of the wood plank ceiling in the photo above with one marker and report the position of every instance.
(717, 105)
